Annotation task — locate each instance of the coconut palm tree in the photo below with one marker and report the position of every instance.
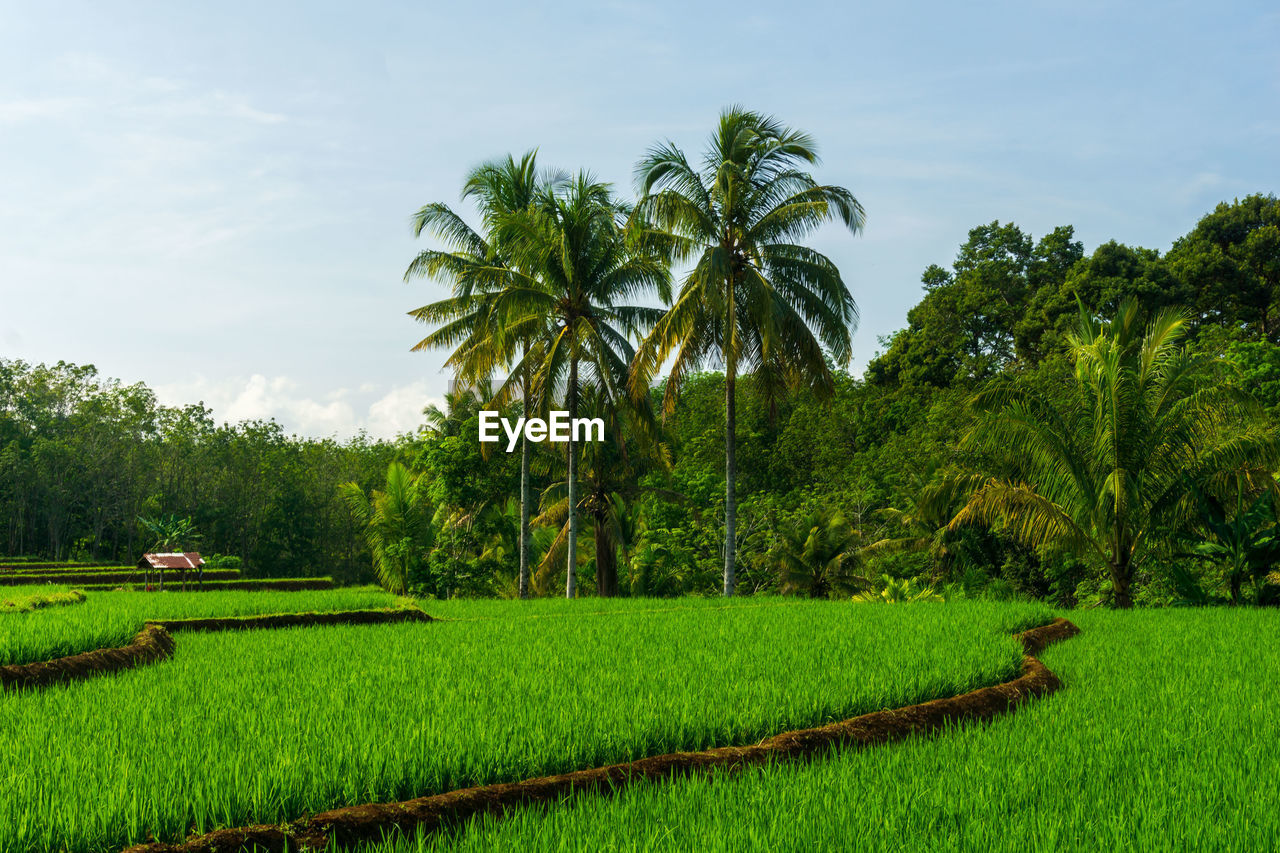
(1100, 472)
(397, 525)
(475, 266)
(818, 555)
(756, 296)
(610, 478)
(576, 260)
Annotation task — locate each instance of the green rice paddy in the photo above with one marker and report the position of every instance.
(1165, 738)
(264, 726)
(112, 618)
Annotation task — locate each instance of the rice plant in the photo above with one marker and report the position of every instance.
(264, 726)
(1165, 738)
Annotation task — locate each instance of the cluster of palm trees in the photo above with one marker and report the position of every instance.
(545, 293)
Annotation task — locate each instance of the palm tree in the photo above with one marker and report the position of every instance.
(610, 478)
(1246, 542)
(397, 525)
(575, 262)
(899, 591)
(756, 298)
(476, 265)
(1100, 473)
(818, 555)
(460, 404)
(924, 527)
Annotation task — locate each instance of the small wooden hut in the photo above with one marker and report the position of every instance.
(181, 562)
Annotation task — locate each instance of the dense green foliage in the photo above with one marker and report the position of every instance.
(84, 461)
(321, 717)
(1161, 741)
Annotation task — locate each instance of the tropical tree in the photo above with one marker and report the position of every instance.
(1101, 471)
(611, 477)
(1244, 539)
(924, 526)
(460, 405)
(397, 525)
(475, 266)
(170, 533)
(756, 297)
(899, 591)
(576, 260)
(818, 555)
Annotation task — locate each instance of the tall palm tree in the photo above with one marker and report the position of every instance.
(610, 475)
(576, 261)
(756, 297)
(397, 525)
(475, 265)
(1100, 472)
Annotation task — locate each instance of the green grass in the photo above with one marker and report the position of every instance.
(112, 618)
(265, 726)
(1166, 738)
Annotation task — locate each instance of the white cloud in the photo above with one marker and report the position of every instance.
(339, 411)
(400, 409)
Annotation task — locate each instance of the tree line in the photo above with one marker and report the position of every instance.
(1079, 427)
(87, 465)
(1049, 423)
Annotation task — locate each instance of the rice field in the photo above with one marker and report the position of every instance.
(1166, 738)
(111, 618)
(24, 600)
(263, 726)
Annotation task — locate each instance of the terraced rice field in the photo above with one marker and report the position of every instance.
(264, 726)
(96, 577)
(24, 599)
(112, 618)
(1165, 738)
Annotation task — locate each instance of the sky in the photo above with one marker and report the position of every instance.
(214, 199)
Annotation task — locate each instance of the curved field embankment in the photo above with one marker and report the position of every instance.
(374, 821)
(155, 642)
(151, 644)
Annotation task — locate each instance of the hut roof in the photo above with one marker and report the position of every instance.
(176, 560)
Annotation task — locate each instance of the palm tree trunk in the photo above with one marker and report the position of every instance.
(730, 475)
(524, 500)
(571, 574)
(606, 563)
(1121, 576)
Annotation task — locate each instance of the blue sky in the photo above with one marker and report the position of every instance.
(215, 200)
